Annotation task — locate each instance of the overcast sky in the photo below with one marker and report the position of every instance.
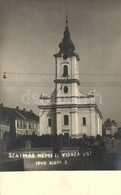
(30, 31)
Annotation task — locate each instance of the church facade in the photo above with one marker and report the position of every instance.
(67, 110)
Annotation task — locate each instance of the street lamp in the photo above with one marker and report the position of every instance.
(4, 76)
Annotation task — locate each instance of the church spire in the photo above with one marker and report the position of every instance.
(66, 46)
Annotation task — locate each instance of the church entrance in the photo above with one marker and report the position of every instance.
(66, 135)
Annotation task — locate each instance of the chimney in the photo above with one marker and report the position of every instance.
(31, 111)
(17, 107)
(24, 109)
(1, 105)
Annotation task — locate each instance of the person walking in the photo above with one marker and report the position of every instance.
(112, 143)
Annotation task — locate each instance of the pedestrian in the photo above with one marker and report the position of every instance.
(112, 143)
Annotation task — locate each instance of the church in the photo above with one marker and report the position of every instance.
(67, 110)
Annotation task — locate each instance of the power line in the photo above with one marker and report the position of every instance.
(51, 82)
(88, 74)
(48, 84)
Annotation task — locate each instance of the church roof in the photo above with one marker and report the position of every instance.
(66, 46)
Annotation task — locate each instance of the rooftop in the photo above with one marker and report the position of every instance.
(8, 114)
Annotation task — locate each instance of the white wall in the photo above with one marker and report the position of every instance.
(44, 115)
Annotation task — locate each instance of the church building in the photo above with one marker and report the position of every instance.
(67, 110)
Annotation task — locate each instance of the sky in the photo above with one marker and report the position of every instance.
(30, 31)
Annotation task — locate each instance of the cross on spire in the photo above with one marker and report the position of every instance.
(66, 20)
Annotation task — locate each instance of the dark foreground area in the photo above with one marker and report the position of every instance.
(103, 156)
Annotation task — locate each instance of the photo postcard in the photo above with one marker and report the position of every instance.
(60, 80)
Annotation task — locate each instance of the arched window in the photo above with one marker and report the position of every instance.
(65, 89)
(66, 120)
(65, 70)
(49, 122)
(84, 121)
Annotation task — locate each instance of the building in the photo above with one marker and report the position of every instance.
(110, 127)
(4, 127)
(67, 110)
(19, 121)
(119, 130)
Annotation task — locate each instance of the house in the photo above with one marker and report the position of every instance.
(21, 122)
(110, 127)
(68, 110)
(4, 127)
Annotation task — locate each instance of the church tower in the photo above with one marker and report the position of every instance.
(68, 111)
(66, 85)
(67, 68)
